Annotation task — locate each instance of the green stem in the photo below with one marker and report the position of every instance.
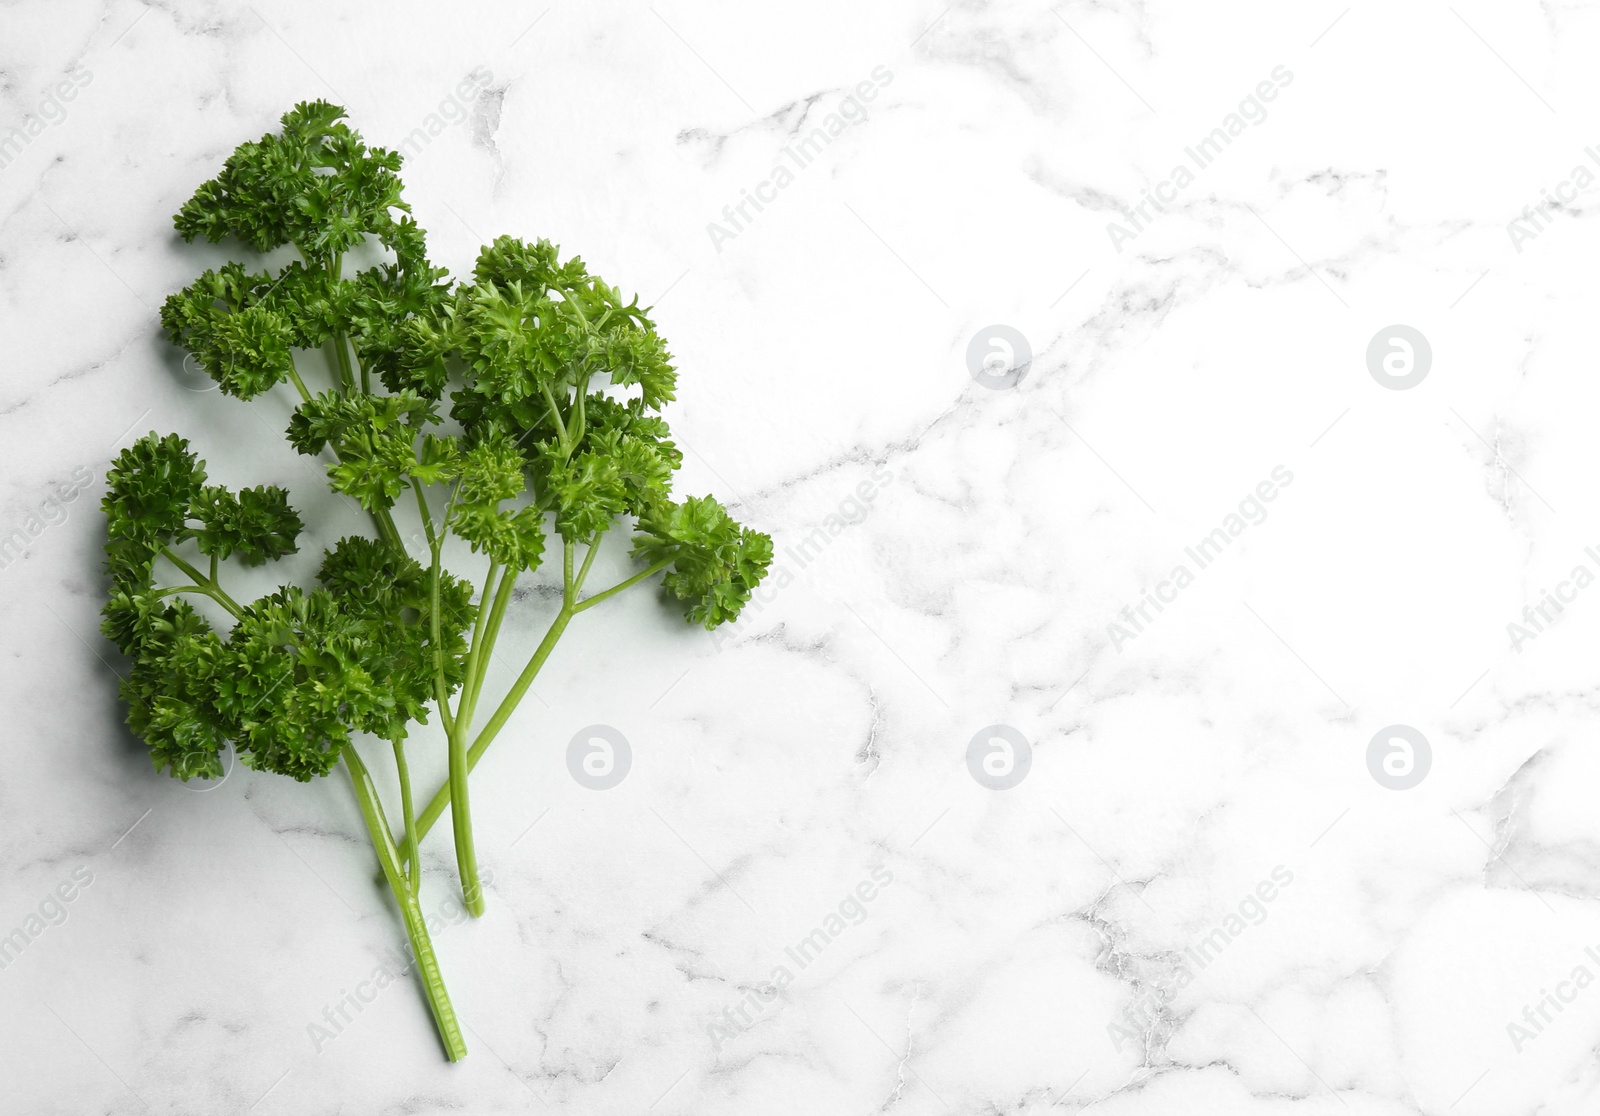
(444, 1015)
(588, 560)
(508, 704)
(502, 598)
(441, 693)
(461, 823)
(300, 385)
(469, 688)
(341, 365)
(455, 733)
(209, 587)
(443, 798)
(621, 585)
(203, 591)
(335, 267)
(386, 527)
(427, 516)
(555, 411)
(580, 422)
(341, 352)
(408, 812)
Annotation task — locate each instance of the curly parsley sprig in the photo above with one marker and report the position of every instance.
(516, 411)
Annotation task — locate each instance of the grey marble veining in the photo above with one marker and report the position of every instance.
(1179, 581)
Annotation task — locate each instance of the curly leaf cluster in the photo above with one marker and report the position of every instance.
(526, 399)
(716, 563)
(299, 672)
(317, 187)
(372, 437)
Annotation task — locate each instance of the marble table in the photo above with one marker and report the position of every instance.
(1172, 694)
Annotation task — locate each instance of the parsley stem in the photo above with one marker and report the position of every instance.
(341, 365)
(201, 589)
(469, 688)
(422, 511)
(341, 352)
(207, 586)
(441, 693)
(455, 734)
(502, 598)
(621, 585)
(461, 823)
(411, 862)
(444, 1015)
(335, 268)
(519, 688)
(579, 421)
(555, 411)
(300, 385)
(442, 799)
(588, 560)
(386, 527)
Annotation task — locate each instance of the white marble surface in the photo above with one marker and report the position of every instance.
(1031, 953)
